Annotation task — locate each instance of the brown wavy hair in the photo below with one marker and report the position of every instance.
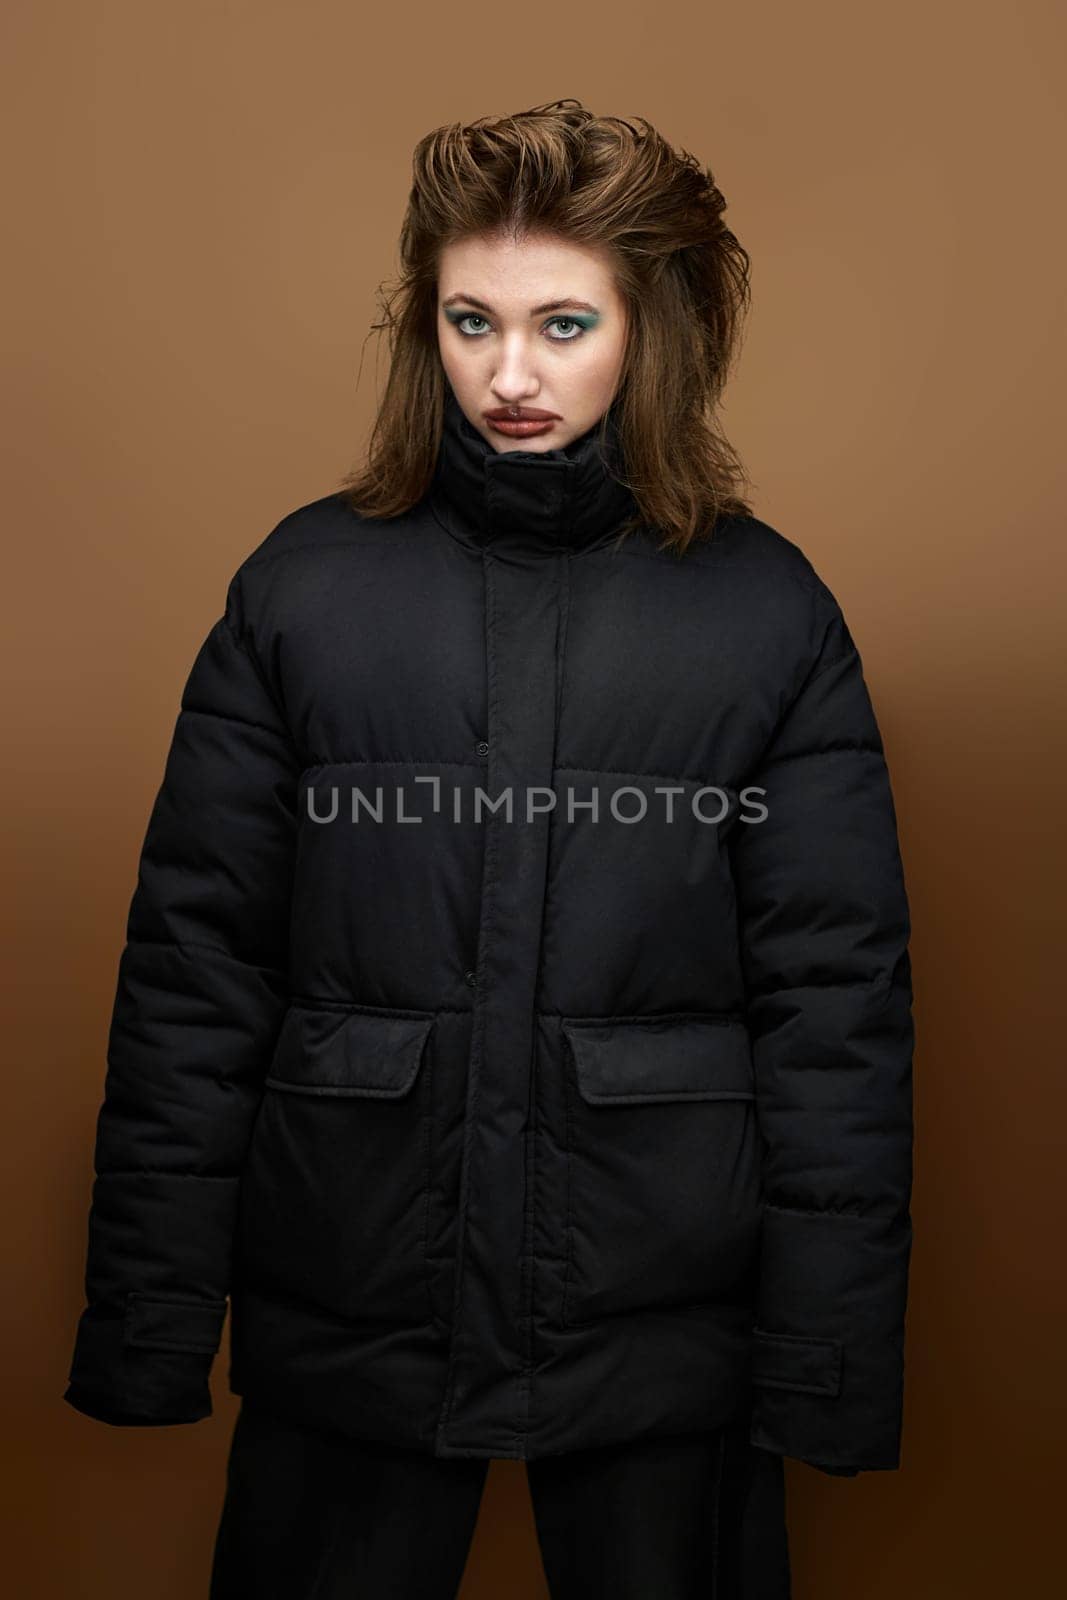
(559, 169)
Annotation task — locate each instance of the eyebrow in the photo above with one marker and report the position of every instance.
(550, 305)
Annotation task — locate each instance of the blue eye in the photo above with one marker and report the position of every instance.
(579, 329)
(471, 316)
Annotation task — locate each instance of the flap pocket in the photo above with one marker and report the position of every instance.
(337, 1051)
(639, 1061)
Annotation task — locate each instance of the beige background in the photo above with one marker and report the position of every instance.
(201, 201)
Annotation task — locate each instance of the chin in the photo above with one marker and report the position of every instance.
(556, 439)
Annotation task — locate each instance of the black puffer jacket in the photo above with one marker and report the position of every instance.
(513, 1134)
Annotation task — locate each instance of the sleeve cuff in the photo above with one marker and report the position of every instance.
(146, 1362)
(828, 1343)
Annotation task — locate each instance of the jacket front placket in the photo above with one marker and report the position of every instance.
(524, 554)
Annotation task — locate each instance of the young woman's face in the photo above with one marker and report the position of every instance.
(538, 326)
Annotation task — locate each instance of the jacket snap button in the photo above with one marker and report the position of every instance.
(482, 747)
(471, 978)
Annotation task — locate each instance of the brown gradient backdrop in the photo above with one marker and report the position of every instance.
(202, 201)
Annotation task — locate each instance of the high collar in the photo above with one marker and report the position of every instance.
(529, 502)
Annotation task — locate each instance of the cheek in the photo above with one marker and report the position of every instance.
(597, 372)
(461, 357)
(456, 362)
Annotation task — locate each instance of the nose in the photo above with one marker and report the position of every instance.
(515, 380)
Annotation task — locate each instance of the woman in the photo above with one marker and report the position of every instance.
(515, 1017)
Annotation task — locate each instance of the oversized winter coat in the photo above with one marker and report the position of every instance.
(582, 1118)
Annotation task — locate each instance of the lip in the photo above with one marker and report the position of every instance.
(525, 426)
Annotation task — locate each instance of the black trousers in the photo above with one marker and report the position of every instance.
(310, 1515)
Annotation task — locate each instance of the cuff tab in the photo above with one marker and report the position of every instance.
(793, 1361)
(158, 1323)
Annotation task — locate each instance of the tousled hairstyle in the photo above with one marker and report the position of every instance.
(599, 181)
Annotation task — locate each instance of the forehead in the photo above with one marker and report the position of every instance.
(511, 274)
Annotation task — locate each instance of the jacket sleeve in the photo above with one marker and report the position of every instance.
(824, 927)
(200, 997)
